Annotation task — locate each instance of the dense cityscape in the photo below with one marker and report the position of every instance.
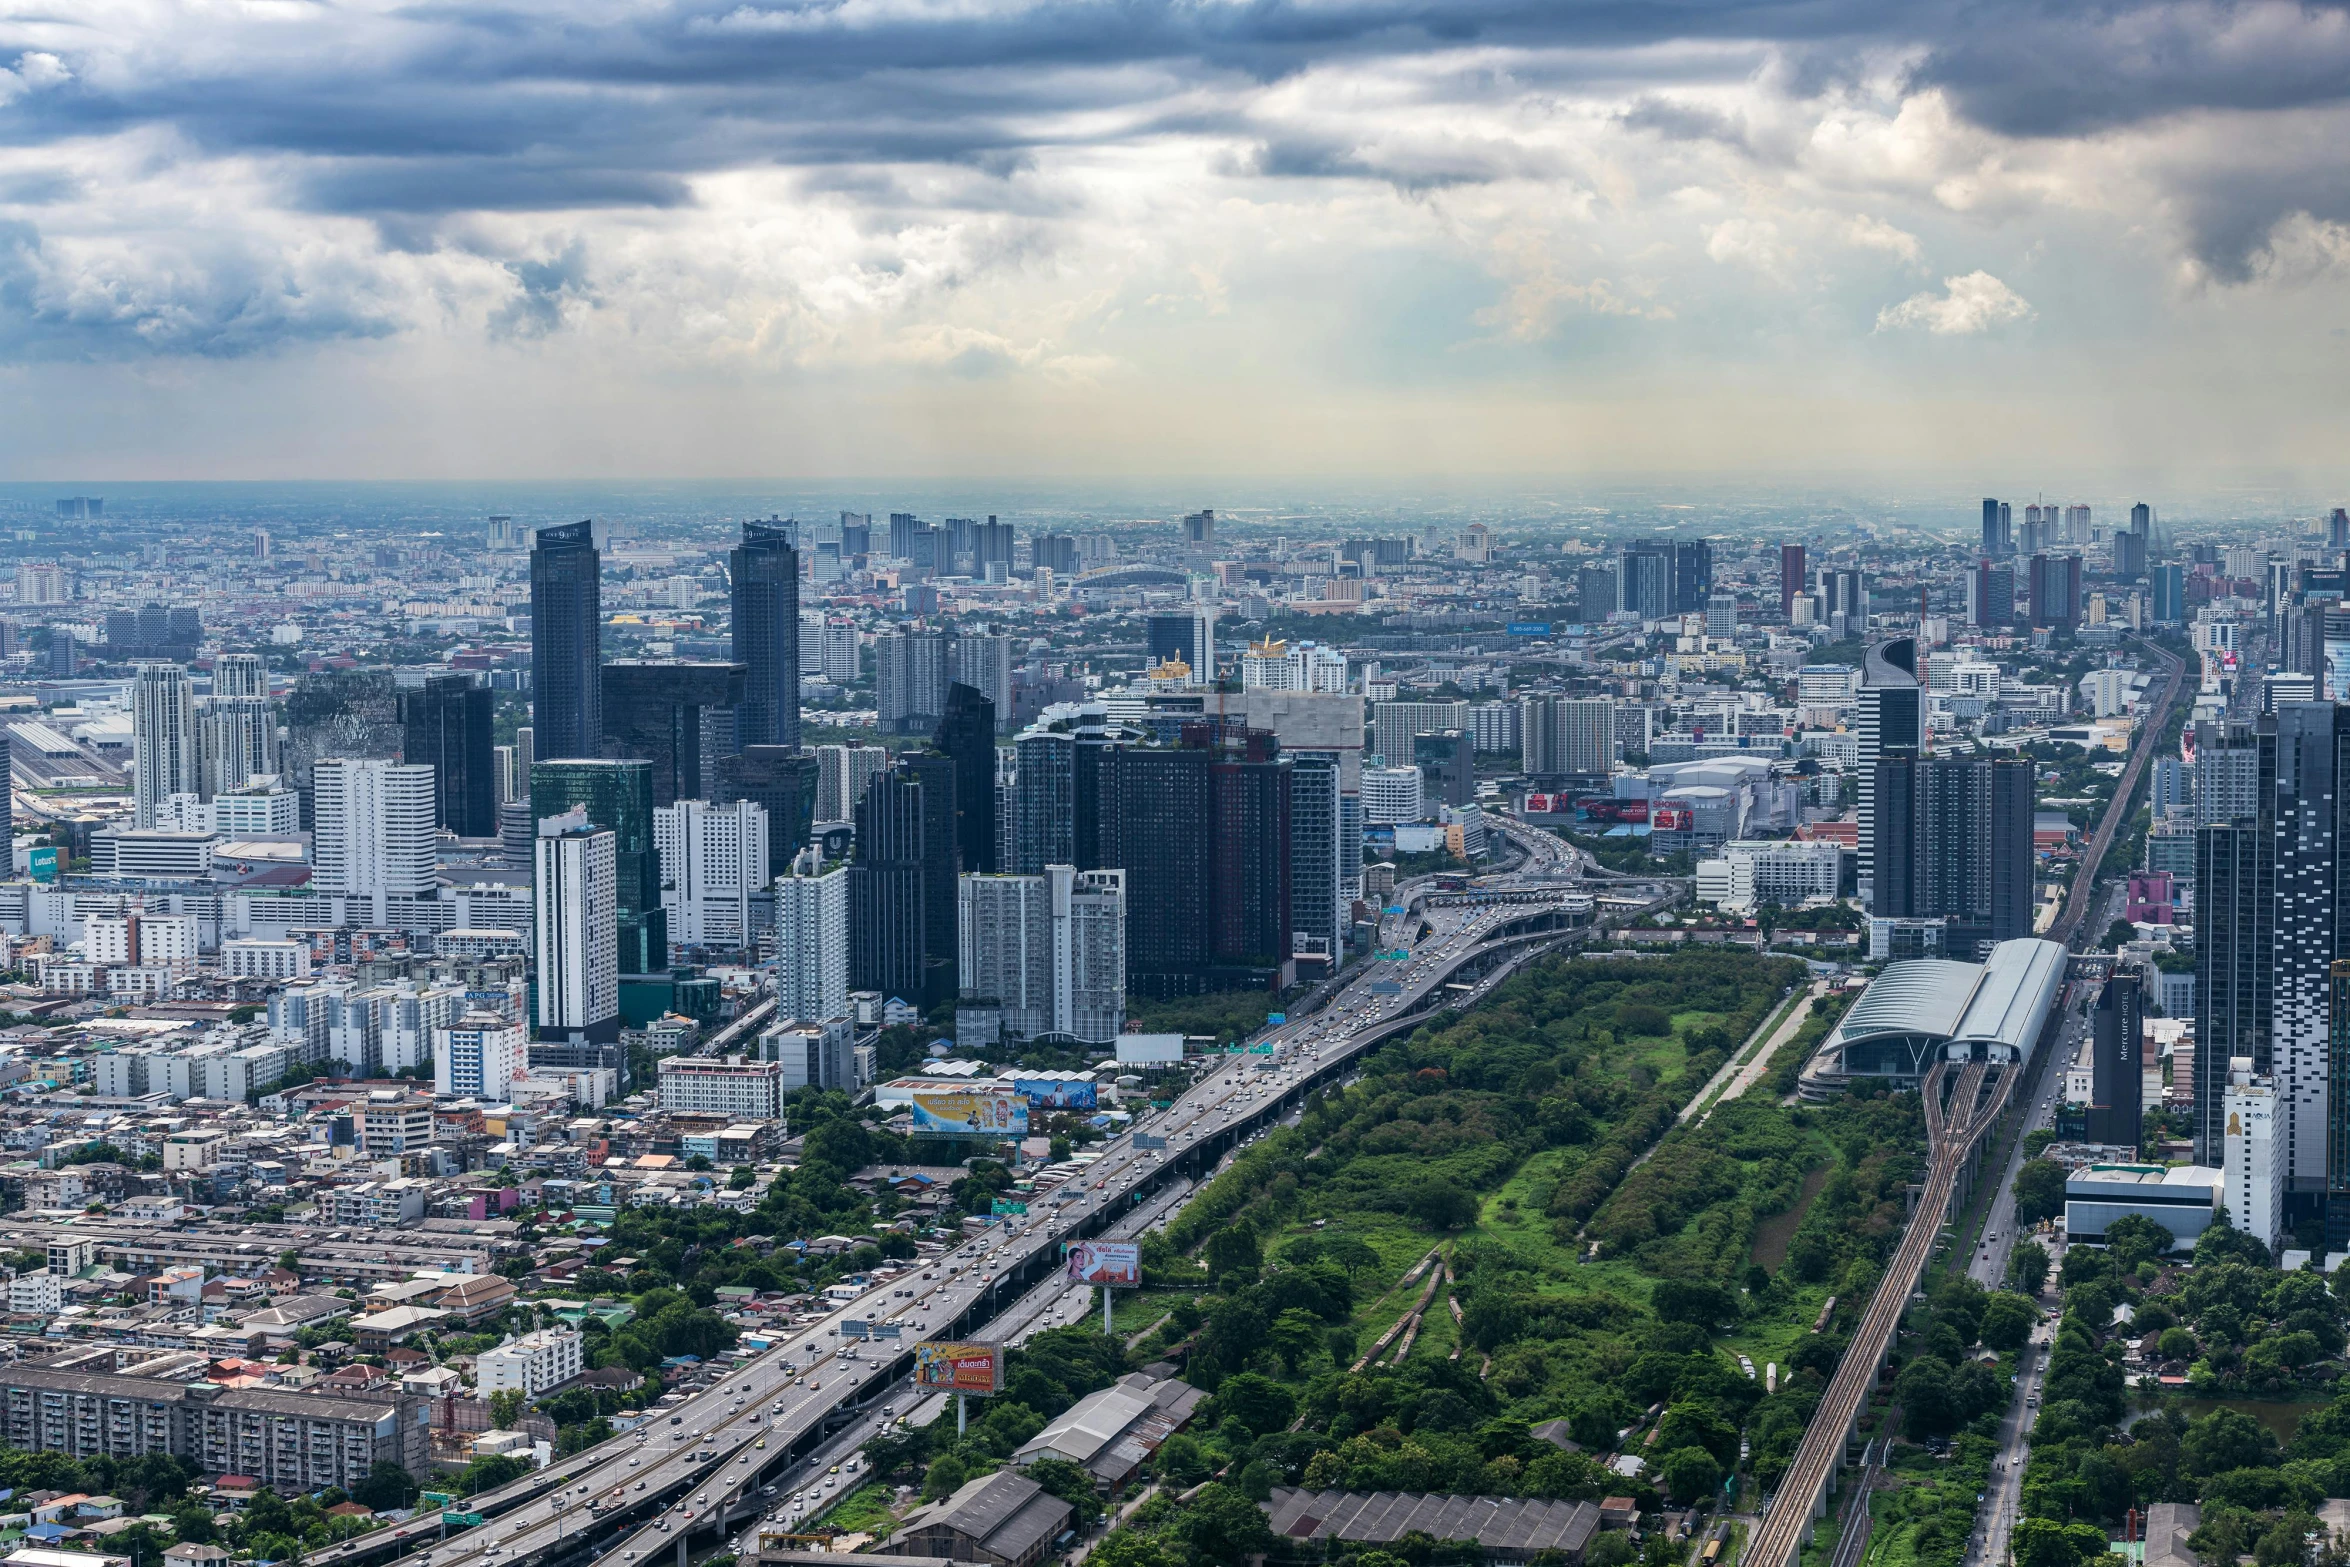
(508, 1021)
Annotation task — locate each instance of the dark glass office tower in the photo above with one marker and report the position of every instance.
(2235, 967)
(1447, 763)
(2116, 1073)
(1645, 587)
(1250, 850)
(616, 794)
(1155, 817)
(767, 634)
(942, 864)
(2338, 1104)
(677, 716)
(886, 885)
(1952, 839)
(780, 781)
(447, 724)
(1693, 576)
(2312, 925)
(566, 641)
(967, 734)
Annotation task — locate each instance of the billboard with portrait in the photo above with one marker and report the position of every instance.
(1116, 1264)
(959, 1366)
(970, 1113)
(1056, 1093)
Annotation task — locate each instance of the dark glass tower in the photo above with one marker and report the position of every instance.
(566, 641)
(447, 724)
(677, 716)
(967, 735)
(2235, 916)
(2116, 1076)
(1250, 854)
(616, 794)
(783, 783)
(766, 573)
(2338, 1105)
(2312, 924)
(886, 884)
(942, 864)
(1154, 819)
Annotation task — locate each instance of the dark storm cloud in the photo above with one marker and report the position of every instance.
(411, 117)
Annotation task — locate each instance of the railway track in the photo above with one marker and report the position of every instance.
(2067, 928)
(1951, 1134)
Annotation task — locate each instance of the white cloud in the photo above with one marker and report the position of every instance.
(1874, 233)
(1976, 302)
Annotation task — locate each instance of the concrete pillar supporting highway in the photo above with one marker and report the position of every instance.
(681, 1550)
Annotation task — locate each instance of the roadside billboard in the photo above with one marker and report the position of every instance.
(970, 1113)
(959, 1366)
(1056, 1093)
(1116, 1264)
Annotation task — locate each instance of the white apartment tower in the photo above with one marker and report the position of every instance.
(163, 740)
(2254, 1158)
(1051, 949)
(812, 941)
(479, 1057)
(713, 859)
(375, 832)
(576, 902)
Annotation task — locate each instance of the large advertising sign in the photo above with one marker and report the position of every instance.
(1116, 1264)
(959, 1367)
(970, 1113)
(1045, 1093)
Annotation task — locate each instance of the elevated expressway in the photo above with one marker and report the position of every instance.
(714, 1462)
(1953, 1133)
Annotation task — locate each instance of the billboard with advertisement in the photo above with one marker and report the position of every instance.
(1529, 628)
(985, 1112)
(1055, 1093)
(41, 863)
(1116, 1264)
(959, 1366)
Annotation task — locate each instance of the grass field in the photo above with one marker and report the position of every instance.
(864, 1510)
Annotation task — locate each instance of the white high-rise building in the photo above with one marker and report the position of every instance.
(984, 663)
(1284, 666)
(238, 742)
(1391, 795)
(842, 772)
(812, 941)
(375, 832)
(1892, 719)
(837, 651)
(1051, 949)
(165, 749)
(260, 807)
(1560, 735)
(240, 675)
(713, 859)
(2254, 1154)
(576, 901)
(480, 1056)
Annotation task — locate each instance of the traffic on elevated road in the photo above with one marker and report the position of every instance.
(720, 1458)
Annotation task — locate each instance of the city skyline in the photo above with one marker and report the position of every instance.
(715, 238)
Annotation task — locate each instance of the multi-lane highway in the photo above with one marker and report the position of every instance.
(721, 1457)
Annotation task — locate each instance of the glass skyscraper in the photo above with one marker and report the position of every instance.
(617, 796)
(566, 642)
(766, 572)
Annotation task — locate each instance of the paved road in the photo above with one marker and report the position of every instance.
(721, 1458)
(1744, 1071)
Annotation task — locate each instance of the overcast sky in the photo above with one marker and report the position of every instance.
(524, 238)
